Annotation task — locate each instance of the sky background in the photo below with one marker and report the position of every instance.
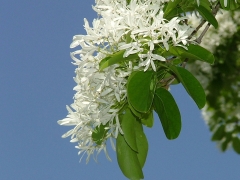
(36, 82)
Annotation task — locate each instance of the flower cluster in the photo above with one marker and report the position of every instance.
(137, 28)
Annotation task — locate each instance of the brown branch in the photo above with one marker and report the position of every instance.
(197, 28)
(214, 12)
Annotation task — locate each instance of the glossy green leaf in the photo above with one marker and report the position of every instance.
(142, 143)
(206, 4)
(168, 113)
(231, 4)
(136, 113)
(177, 61)
(128, 160)
(191, 84)
(115, 58)
(194, 52)
(128, 122)
(207, 15)
(171, 9)
(187, 5)
(236, 144)
(99, 134)
(219, 133)
(147, 119)
(140, 90)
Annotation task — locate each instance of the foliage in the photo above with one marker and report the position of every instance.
(223, 101)
(128, 60)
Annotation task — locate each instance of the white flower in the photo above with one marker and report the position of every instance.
(149, 58)
(131, 48)
(97, 93)
(138, 28)
(139, 24)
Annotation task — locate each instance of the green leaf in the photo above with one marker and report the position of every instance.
(168, 113)
(140, 90)
(115, 58)
(191, 84)
(206, 4)
(177, 61)
(171, 9)
(195, 52)
(99, 134)
(147, 119)
(176, 7)
(231, 4)
(128, 123)
(207, 15)
(219, 133)
(128, 37)
(236, 144)
(187, 5)
(224, 145)
(128, 160)
(142, 143)
(136, 113)
(134, 135)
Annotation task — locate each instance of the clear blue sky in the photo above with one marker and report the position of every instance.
(35, 85)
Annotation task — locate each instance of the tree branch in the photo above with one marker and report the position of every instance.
(214, 12)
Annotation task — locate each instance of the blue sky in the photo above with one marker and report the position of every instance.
(35, 86)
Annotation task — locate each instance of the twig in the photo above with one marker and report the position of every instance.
(197, 28)
(199, 39)
(214, 12)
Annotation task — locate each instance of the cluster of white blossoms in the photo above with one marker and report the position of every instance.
(143, 22)
(134, 28)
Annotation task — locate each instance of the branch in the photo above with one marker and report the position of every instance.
(197, 28)
(214, 12)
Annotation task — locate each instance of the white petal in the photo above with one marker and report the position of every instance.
(158, 57)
